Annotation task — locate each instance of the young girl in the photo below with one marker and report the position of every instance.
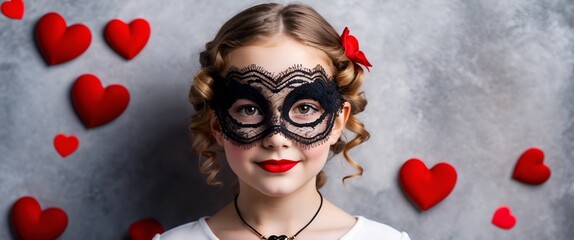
(276, 90)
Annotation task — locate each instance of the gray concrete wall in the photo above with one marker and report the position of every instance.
(472, 83)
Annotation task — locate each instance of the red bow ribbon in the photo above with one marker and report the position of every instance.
(351, 45)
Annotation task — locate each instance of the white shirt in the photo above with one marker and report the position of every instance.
(363, 229)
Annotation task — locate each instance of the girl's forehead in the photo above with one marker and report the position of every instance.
(277, 54)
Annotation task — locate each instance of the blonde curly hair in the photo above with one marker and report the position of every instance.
(302, 23)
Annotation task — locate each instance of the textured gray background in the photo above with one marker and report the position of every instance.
(472, 83)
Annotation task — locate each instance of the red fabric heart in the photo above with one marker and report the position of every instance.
(66, 145)
(530, 167)
(13, 9)
(31, 223)
(503, 218)
(94, 104)
(59, 43)
(145, 229)
(427, 188)
(127, 40)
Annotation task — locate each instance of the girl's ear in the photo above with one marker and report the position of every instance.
(340, 123)
(215, 129)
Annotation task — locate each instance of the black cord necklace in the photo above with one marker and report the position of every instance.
(281, 237)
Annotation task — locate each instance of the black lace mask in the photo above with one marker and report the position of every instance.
(299, 103)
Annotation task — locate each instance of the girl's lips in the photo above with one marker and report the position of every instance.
(277, 166)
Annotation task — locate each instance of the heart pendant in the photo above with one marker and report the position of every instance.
(282, 237)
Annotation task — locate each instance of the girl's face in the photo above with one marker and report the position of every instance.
(279, 115)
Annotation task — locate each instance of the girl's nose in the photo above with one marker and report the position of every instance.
(276, 140)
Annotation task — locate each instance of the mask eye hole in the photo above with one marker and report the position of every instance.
(305, 111)
(246, 111)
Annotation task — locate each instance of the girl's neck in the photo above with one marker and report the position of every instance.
(278, 214)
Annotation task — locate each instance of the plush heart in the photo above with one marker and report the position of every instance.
(59, 43)
(94, 104)
(13, 9)
(503, 218)
(145, 229)
(427, 187)
(127, 40)
(66, 145)
(30, 222)
(530, 167)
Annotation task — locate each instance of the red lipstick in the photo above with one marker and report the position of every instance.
(277, 166)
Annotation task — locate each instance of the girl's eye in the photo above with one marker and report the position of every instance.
(248, 110)
(306, 109)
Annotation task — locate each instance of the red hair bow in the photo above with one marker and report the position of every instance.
(351, 45)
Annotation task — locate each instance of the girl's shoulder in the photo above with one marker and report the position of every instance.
(197, 230)
(368, 229)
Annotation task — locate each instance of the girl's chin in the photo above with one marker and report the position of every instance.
(277, 190)
(281, 188)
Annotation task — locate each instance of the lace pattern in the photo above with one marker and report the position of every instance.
(276, 97)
